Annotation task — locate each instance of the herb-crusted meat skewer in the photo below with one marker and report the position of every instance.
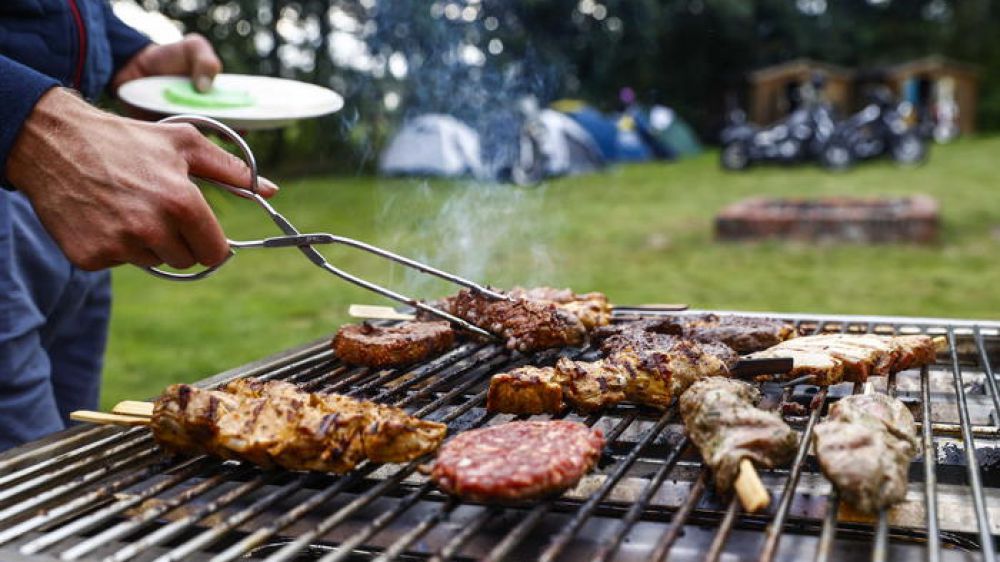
(865, 447)
(722, 420)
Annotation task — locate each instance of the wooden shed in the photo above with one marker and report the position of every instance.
(925, 81)
(774, 89)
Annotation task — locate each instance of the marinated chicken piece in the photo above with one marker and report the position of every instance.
(661, 367)
(722, 420)
(274, 423)
(832, 358)
(186, 418)
(525, 391)
(526, 325)
(392, 346)
(865, 447)
(647, 340)
(590, 386)
(593, 309)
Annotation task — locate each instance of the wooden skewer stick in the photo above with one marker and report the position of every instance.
(133, 408)
(104, 418)
(752, 493)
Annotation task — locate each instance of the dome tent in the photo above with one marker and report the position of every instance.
(433, 145)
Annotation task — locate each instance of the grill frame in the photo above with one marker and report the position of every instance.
(105, 462)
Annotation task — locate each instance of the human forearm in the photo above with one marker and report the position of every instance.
(20, 89)
(112, 190)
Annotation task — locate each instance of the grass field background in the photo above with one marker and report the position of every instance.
(641, 233)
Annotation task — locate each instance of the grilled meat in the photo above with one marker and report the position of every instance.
(526, 325)
(865, 447)
(649, 340)
(593, 309)
(517, 461)
(275, 424)
(526, 391)
(743, 334)
(723, 422)
(590, 386)
(393, 346)
(832, 358)
(649, 370)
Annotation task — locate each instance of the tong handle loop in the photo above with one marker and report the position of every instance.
(232, 136)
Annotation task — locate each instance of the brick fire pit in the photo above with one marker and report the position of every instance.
(832, 219)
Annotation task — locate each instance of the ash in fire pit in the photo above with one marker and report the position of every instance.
(831, 219)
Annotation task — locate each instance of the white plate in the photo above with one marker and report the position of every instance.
(277, 102)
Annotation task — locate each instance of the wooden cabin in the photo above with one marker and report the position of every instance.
(924, 81)
(774, 90)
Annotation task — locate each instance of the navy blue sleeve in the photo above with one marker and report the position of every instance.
(20, 89)
(125, 41)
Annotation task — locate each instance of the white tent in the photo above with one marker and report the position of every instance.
(566, 146)
(433, 145)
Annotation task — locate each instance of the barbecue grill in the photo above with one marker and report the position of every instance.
(109, 493)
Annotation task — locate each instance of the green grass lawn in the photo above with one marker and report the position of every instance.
(640, 233)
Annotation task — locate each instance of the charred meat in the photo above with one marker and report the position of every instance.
(526, 325)
(833, 358)
(526, 391)
(865, 447)
(742, 333)
(275, 424)
(722, 420)
(645, 370)
(392, 346)
(593, 309)
(517, 461)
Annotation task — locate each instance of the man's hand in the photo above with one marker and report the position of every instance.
(112, 190)
(192, 56)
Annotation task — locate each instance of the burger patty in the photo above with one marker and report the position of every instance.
(393, 346)
(517, 461)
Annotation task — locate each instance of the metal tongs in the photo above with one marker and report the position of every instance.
(305, 242)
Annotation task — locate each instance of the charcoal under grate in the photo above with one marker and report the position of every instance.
(105, 493)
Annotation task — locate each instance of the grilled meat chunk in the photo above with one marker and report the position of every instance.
(525, 391)
(526, 325)
(517, 461)
(593, 309)
(275, 424)
(650, 370)
(590, 386)
(832, 358)
(723, 422)
(647, 340)
(865, 447)
(393, 346)
(742, 333)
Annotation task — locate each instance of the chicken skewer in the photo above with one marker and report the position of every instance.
(733, 436)
(276, 424)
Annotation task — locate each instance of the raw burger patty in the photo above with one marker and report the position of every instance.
(517, 461)
(402, 344)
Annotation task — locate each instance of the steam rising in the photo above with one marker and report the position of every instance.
(489, 233)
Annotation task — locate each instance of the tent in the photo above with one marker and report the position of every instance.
(603, 131)
(566, 147)
(666, 134)
(629, 143)
(433, 145)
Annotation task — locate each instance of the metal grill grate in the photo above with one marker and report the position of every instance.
(102, 493)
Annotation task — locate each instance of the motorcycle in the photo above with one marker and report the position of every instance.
(798, 137)
(880, 128)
